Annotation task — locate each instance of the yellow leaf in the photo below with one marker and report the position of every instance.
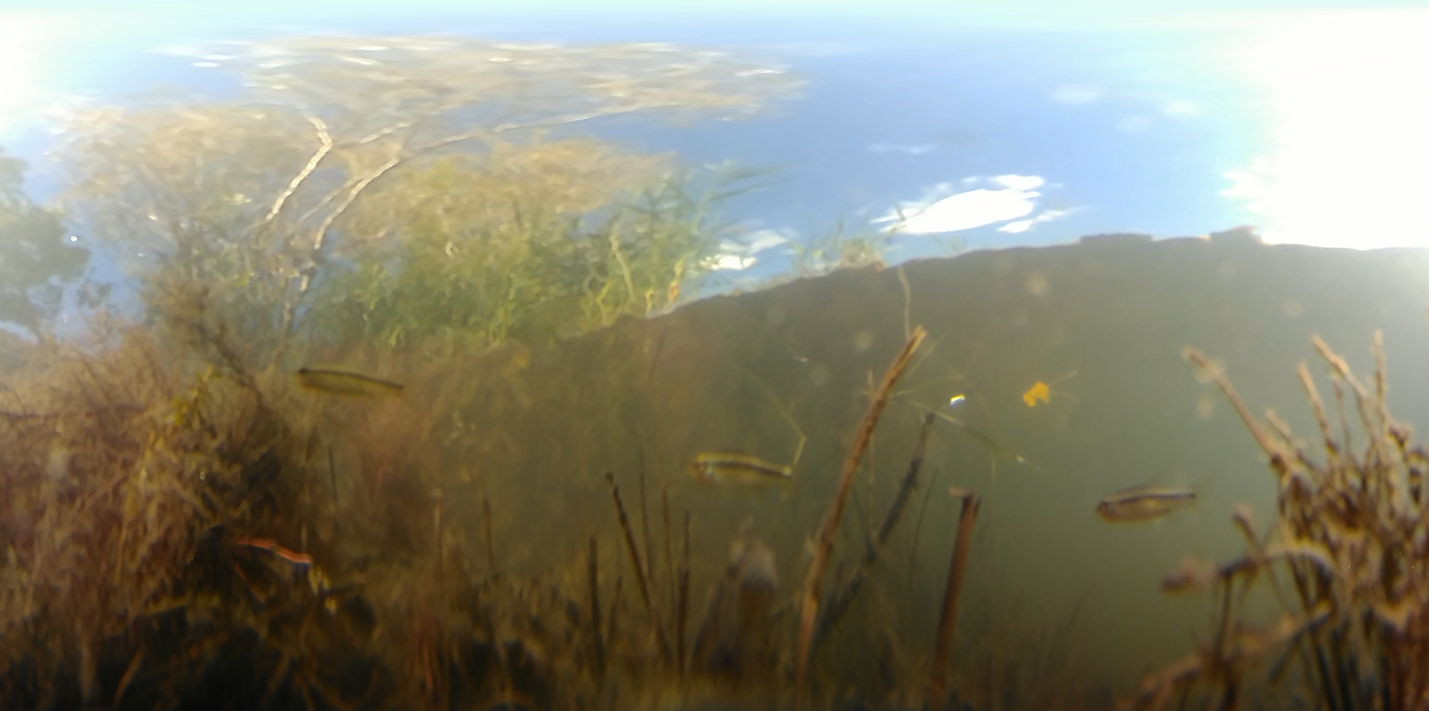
(1039, 391)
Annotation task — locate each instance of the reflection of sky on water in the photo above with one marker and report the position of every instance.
(1308, 125)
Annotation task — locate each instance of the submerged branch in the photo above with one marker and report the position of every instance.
(824, 537)
(839, 601)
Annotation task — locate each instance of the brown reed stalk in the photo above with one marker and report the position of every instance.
(593, 573)
(1347, 530)
(838, 602)
(957, 570)
(638, 565)
(128, 676)
(1280, 458)
(824, 537)
(917, 532)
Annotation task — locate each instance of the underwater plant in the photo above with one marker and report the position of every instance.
(263, 196)
(1351, 536)
(531, 242)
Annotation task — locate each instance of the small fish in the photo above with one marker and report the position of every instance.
(1144, 503)
(956, 400)
(337, 381)
(737, 469)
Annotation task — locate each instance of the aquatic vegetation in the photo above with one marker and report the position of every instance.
(824, 537)
(843, 246)
(1011, 660)
(1350, 536)
(186, 529)
(308, 175)
(531, 243)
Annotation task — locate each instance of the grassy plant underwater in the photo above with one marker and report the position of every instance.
(1351, 538)
(543, 254)
(183, 532)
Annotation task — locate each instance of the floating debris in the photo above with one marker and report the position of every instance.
(1043, 392)
(1039, 391)
(737, 469)
(346, 383)
(1144, 503)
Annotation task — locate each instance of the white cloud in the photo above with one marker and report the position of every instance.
(732, 262)
(1020, 226)
(1020, 182)
(1011, 198)
(737, 256)
(1077, 94)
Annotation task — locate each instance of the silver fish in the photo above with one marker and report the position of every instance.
(1144, 503)
(737, 469)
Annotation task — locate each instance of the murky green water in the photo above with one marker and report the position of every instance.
(428, 386)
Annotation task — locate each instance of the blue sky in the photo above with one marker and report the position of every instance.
(998, 124)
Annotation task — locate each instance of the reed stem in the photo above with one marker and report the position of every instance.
(824, 538)
(635, 561)
(957, 570)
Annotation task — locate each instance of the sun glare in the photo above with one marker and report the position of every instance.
(21, 41)
(1349, 111)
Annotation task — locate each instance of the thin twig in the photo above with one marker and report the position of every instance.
(638, 565)
(1279, 458)
(824, 538)
(917, 533)
(838, 602)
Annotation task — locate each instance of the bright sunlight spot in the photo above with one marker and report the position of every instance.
(1350, 113)
(21, 39)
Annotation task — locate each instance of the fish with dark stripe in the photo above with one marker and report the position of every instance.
(344, 382)
(737, 469)
(1144, 503)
